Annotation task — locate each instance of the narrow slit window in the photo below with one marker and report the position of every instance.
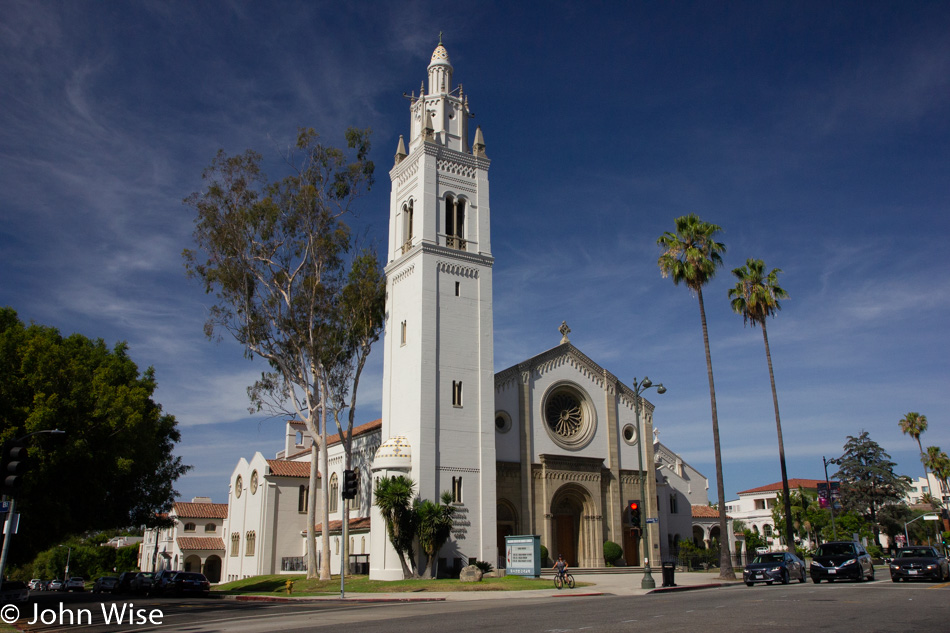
(458, 288)
(456, 393)
(402, 335)
(456, 490)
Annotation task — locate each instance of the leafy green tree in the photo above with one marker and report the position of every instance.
(868, 481)
(848, 523)
(434, 526)
(802, 505)
(914, 424)
(892, 518)
(114, 465)
(276, 257)
(691, 256)
(394, 498)
(756, 297)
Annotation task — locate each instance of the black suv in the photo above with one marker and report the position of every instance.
(841, 559)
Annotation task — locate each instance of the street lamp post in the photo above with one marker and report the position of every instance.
(638, 389)
(831, 498)
(925, 517)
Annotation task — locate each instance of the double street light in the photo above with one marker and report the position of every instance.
(638, 389)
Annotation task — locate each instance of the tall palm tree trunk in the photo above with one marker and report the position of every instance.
(725, 548)
(923, 459)
(789, 538)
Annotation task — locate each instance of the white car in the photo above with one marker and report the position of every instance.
(35, 585)
(75, 584)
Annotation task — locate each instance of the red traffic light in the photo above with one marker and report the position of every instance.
(634, 506)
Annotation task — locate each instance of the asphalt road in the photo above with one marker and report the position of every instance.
(867, 607)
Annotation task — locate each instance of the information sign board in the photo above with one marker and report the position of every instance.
(523, 555)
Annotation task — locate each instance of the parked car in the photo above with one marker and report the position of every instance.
(774, 567)
(125, 581)
(13, 591)
(55, 585)
(187, 582)
(142, 583)
(35, 585)
(161, 580)
(76, 583)
(917, 563)
(105, 583)
(841, 559)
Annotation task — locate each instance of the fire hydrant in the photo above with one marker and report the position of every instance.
(289, 585)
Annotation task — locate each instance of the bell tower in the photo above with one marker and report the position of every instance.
(438, 367)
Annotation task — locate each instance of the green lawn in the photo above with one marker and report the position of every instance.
(276, 585)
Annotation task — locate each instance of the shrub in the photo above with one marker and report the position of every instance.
(485, 567)
(875, 551)
(544, 555)
(612, 552)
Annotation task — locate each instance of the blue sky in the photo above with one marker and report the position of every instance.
(816, 134)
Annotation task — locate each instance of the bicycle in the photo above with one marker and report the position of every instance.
(561, 579)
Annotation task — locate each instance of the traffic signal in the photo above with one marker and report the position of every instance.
(634, 512)
(14, 464)
(349, 484)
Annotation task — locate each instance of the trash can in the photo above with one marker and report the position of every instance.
(669, 568)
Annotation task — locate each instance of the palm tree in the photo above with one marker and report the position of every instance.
(914, 424)
(691, 255)
(394, 497)
(939, 464)
(435, 526)
(756, 297)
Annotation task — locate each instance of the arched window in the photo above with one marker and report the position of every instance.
(767, 530)
(235, 543)
(407, 226)
(303, 499)
(455, 222)
(211, 527)
(250, 538)
(189, 527)
(334, 492)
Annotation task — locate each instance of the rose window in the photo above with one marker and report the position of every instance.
(564, 414)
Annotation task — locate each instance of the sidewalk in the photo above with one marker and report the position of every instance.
(598, 585)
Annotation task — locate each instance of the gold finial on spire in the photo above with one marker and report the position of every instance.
(440, 38)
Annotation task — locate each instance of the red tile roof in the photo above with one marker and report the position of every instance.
(200, 542)
(359, 524)
(793, 484)
(189, 510)
(285, 468)
(357, 431)
(705, 512)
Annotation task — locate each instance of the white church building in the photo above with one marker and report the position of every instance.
(548, 446)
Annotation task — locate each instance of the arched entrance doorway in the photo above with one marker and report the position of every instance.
(213, 568)
(193, 563)
(631, 545)
(507, 522)
(572, 536)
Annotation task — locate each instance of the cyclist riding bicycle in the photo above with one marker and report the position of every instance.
(560, 566)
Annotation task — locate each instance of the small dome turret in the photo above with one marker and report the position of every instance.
(393, 454)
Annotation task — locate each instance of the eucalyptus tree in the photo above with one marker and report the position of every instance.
(914, 424)
(275, 255)
(756, 297)
(868, 481)
(394, 497)
(691, 256)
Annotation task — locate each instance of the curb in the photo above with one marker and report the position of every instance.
(313, 599)
(691, 587)
(578, 595)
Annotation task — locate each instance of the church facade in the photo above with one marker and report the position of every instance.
(552, 446)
